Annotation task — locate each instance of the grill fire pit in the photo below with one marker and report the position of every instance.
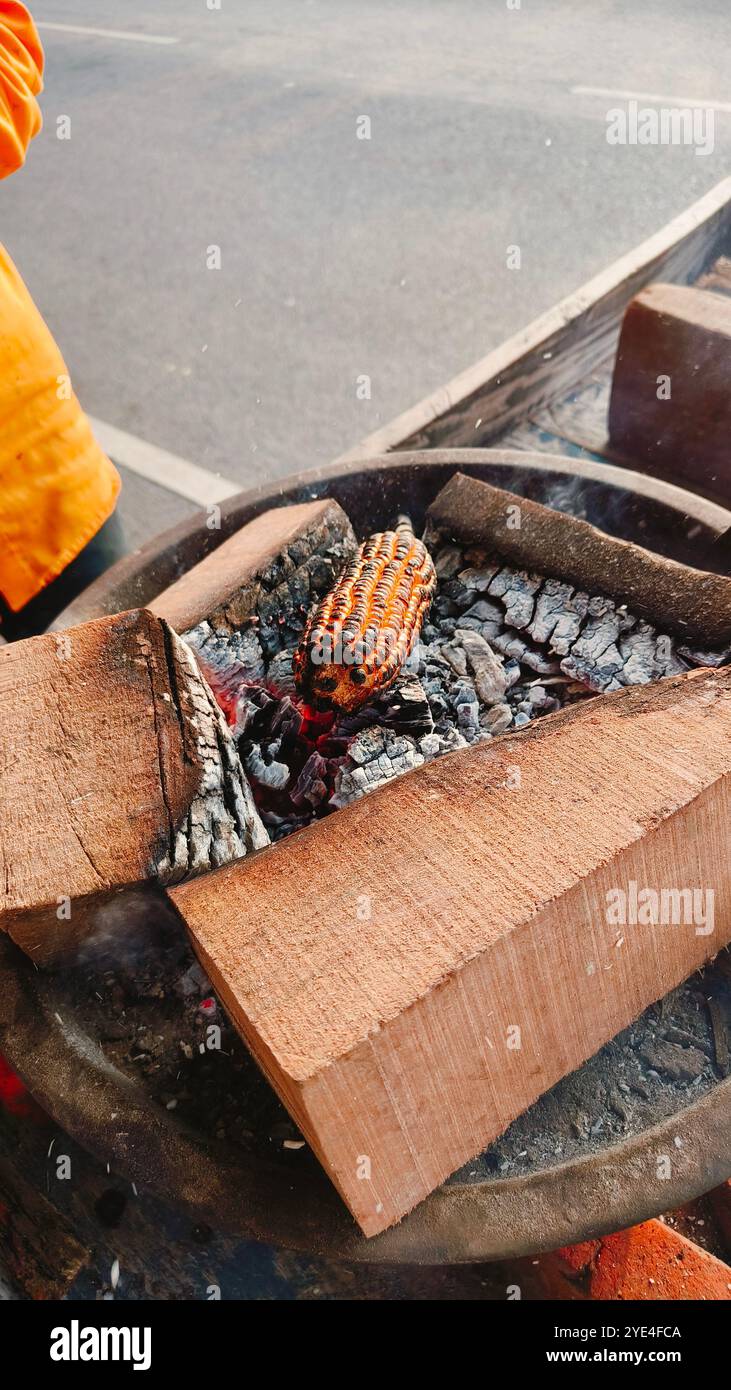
(132, 1031)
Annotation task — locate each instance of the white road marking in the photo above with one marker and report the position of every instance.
(105, 33)
(158, 466)
(653, 97)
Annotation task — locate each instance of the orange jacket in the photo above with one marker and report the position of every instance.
(56, 486)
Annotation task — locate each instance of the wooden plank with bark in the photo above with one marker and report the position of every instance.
(669, 407)
(694, 603)
(414, 972)
(117, 768)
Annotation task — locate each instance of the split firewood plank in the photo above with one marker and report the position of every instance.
(225, 587)
(415, 971)
(117, 768)
(693, 603)
(670, 405)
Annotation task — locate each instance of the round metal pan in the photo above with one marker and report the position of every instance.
(617, 1184)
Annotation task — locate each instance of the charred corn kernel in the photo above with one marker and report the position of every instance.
(359, 636)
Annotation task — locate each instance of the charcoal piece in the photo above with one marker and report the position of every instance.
(559, 613)
(697, 657)
(478, 579)
(456, 592)
(407, 706)
(456, 655)
(448, 561)
(468, 720)
(668, 1059)
(489, 671)
(600, 676)
(517, 590)
(595, 657)
(279, 674)
(275, 775)
(541, 701)
(373, 759)
(497, 719)
(311, 785)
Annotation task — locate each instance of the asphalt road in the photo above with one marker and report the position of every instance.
(340, 257)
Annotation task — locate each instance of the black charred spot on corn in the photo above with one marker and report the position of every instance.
(359, 636)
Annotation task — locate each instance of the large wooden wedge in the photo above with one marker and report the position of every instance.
(416, 970)
(116, 768)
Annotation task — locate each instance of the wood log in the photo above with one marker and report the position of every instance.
(670, 407)
(225, 587)
(414, 972)
(692, 603)
(117, 768)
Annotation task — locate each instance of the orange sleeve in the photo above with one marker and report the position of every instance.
(21, 81)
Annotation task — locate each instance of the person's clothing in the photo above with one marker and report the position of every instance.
(106, 547)
(57, 487)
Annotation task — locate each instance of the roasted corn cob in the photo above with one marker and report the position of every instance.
(359, 636)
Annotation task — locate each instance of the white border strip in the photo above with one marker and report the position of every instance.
(158, 466)
(105, 33)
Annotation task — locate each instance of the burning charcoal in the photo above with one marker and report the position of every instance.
(275, 775)
(228, 661)
(490, 679)
(288, 723)
(516, 588)
(500, 648)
